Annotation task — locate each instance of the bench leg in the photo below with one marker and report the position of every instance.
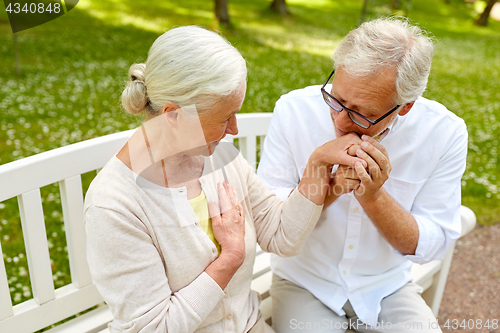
(434, 294)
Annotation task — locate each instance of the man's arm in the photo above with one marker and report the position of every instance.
(427, 231)
(398, 227)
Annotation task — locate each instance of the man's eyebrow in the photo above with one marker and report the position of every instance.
(369, 111)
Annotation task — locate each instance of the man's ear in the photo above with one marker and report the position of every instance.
(406, 108)
(171, 113)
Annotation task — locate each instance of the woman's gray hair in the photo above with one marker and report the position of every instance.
(185, 66)
(375, 45)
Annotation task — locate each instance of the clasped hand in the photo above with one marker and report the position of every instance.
(228, 223)
(365, 182)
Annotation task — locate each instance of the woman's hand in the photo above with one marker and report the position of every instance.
(337, 151)
(315, 182)
(228, 224)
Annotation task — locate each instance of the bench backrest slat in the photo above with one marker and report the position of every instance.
(72, 207)
(52, 166)
(5, 302)
(37, 250)
(248, 147)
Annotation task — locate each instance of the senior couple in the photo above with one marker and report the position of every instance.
(359, 178)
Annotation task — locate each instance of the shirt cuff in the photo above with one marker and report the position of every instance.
(430, 239)
(202, 294)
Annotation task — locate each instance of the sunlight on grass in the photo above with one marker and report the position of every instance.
(278, 38)
(119, 17)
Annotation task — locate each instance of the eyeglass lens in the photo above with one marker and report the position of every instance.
(353, 116)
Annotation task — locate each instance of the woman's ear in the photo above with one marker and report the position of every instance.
(171, 113)
(406, 108)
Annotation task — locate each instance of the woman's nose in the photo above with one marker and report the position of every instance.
(232, 126)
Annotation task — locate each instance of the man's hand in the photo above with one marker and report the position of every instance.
(343, 181)
(316, 179)
(379, 168)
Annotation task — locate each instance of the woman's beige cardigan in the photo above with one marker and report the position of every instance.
(148, 255)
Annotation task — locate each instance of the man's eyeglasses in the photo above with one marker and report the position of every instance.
(357, 118)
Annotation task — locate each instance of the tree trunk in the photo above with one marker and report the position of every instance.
(396, 4)
(221, 12)
(16, 56)
(483, 19)
(17, 61)
(363, 12)
(280, 7)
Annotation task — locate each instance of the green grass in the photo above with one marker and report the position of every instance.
(75, 67)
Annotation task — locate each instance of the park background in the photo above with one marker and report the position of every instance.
(61, 82)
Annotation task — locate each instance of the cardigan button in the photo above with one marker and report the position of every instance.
(228, 317)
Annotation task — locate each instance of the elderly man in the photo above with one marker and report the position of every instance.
(354, 271)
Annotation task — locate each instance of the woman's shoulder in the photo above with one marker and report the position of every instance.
(114, 184)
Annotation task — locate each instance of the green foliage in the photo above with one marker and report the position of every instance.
(75, 67)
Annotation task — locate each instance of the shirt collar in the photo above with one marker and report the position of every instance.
(386, 132)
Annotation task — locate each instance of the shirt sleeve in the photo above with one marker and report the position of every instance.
(277, 167)
(130, 275)
(437, 206)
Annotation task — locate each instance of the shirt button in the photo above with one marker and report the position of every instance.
(213, 250)
(344, 272)
(356, 209)
(351, 247)
(228, 317)
(196, 223)
(225, 294)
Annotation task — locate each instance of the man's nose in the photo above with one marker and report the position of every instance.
(342, 119)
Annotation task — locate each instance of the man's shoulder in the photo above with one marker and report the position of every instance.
(432, 110)
(297, 104)
(303, 95)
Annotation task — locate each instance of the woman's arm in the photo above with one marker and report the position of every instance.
(130, 275)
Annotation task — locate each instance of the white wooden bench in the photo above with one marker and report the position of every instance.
(25, 177)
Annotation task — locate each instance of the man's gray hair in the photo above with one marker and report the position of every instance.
(185, 66)
(378, 44)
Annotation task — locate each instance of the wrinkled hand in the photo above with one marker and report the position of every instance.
(336, 151)
(229, 226)
(344, 180)
(379, 168)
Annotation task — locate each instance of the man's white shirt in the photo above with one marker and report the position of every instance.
(345, 257)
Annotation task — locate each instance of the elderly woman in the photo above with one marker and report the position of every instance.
(171, 239)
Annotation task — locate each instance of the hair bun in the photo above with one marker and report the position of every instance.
(134, 96)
